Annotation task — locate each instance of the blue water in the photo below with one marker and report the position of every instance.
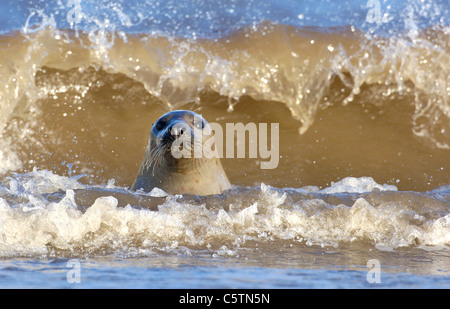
(218, 18)
(185, 273)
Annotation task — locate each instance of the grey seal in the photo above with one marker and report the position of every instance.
(172, 160)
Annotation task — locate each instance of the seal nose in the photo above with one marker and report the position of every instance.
(177, 129)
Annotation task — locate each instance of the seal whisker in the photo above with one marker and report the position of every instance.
(158, 159)
(152, 159)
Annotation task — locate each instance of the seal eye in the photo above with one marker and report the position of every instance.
(159, 125)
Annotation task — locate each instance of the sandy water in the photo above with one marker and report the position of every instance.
(364, 146)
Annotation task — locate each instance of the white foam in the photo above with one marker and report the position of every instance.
(156, 192)
(357, 185)
(30, 224)
(42, 181)
(9, 160)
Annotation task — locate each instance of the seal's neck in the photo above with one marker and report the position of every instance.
(193, 176)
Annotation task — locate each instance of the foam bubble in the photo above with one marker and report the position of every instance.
(357, 185)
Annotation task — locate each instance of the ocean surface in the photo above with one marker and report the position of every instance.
(360, 197)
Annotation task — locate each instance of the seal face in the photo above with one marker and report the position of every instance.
(176, 159)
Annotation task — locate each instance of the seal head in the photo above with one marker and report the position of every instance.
(181, 157)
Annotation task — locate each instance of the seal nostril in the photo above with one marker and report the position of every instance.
(174, 131)
(177, 130)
